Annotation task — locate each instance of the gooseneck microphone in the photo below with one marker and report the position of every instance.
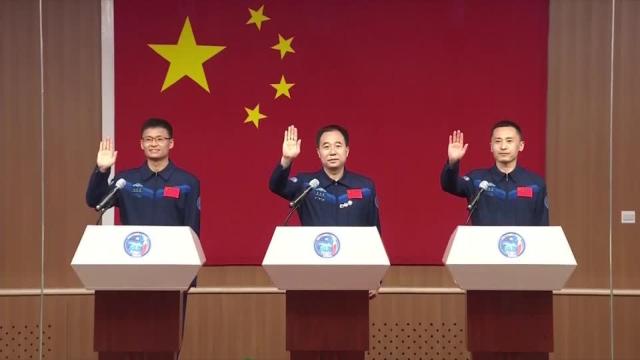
(296, 203)
(312, 185)
(484, 186)
(103, 205)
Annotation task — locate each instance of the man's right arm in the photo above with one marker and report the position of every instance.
(452, 183)
(281, 185)
(279, 182)
(99, 182)
(97, 188)
(450, 179)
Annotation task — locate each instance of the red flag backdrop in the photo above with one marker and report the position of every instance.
(400, 75)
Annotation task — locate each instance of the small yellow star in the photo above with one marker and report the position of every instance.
(284, 45)
(254, 116)
(186, 58)
(257, 17)
(282, 88)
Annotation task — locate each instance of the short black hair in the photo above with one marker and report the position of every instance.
(507, 123)
(157, 123)
(332, 127)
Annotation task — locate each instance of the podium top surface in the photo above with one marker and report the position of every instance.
(326, 258)
(135, 245)
(115, 257)
(319, 245)
(506, 245)
(509, 257)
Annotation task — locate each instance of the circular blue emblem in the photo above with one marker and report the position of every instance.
(137, 244)
(511, 245)
(326, 245)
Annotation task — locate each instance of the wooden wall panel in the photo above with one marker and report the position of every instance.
(20, 139)
(402, 326)
(68, 322)
(19, 327)
(626, 172)
(396, 276)
(418, 276)
(577, 132)
(581, 328)
(409, 327)
(626, 132)
(626, 322)
(235, 327)
(72, 128)
(214, 276)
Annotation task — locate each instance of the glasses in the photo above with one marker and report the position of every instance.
(161, 140)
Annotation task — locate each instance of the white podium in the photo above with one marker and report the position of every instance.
(327, 272)
(509, 273)
(139, 274)
(120, 257)
(300, 258)
(509, 257)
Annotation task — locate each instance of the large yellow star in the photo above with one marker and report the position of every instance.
(282, 88)
(186, 58)
(284, 45)
(257, 17)
(254, 116)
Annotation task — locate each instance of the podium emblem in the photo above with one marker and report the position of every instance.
(511, 245)
(326, 245)
(137, 244)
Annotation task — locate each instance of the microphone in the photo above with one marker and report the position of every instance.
(312, 185)
(484, 186)
(107, 199)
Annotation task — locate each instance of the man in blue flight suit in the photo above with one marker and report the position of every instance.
(156, 193)
(342, 198)
(514, 196)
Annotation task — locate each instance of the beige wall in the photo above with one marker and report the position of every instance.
(592, 174)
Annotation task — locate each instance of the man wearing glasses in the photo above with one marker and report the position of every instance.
(156, 193)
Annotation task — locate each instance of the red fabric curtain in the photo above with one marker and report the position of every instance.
(400, 75)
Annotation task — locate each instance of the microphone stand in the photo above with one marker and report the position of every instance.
(469, 217)
(474, 204)
(296, 203)
(286, 220)
(99, 221)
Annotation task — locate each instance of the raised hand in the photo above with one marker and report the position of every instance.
(106, 155)
(457, 147)
(290, 146)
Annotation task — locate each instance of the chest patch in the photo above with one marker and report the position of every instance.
(524, 192)
(354, 194)
(171, 192)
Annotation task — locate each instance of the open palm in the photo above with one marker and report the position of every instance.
(106, 155)
(457, 147)
(291, 144)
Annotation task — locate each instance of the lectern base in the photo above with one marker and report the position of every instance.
(327, 355)
(509, 356)
(108, 355)
(137, 323)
